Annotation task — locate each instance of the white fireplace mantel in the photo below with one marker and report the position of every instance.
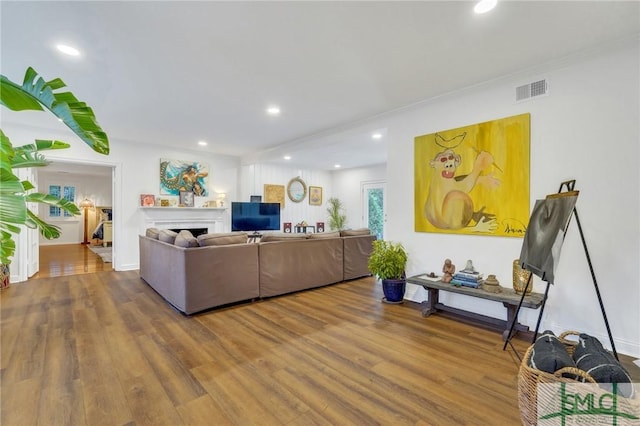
(214, 219)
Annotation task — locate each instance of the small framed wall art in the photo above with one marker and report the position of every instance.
(186, 199)
(315, 195)
(147, 200)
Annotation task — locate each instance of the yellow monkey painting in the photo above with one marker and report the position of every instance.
(474, 179)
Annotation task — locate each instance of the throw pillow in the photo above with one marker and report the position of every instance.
(549, 354)
(323, 235)
(167, 236)
(186, 239)
(222, 239)
(593, 358)
(152, 233)
(355, 232)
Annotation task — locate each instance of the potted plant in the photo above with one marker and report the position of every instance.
(387, 262)
(37, 94)
(337, 219)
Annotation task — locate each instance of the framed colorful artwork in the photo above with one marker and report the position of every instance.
(147, 200)
(176, 176)
(315, 195)
(474, 179)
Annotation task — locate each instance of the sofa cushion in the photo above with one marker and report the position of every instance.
(167, 236)
(322, 235)
(186, 239)
(222, 239)
(281, 236)
(152, 233)
(355, 232)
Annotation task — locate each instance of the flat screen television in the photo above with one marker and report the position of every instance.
(255, 216)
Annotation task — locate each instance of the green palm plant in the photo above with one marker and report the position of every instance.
(337, 219)
(36, 94)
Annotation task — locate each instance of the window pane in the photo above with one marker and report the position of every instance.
(69, 195)
(55, 191)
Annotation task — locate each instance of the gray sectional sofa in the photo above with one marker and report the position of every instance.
(195, 274)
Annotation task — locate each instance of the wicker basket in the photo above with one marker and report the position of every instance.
(529, 393)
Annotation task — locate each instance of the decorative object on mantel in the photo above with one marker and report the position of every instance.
(186, 199)
(491, 284)
(521, 278)
(147, 200)
(221, 197)
(164, 202)
(388, 261)
(176, 176)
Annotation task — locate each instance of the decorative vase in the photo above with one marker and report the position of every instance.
(521, 278)
(5, 275)
(394, 290)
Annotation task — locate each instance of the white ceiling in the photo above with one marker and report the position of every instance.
(173, 73)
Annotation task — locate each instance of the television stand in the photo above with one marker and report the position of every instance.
(255, 237)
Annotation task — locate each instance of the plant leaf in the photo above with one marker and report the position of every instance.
(14, 98)
(7, 247)
(66, 205)
(74, 113)
(47, 230)
(13, 208)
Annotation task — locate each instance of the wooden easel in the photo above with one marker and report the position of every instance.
(569, 186)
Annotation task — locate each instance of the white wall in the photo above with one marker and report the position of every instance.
(136, 172)
(586, 129)
(97, 189)
(255, 176)
(347, 186)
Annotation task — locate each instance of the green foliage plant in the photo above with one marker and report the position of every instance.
(36, 94)
(388, 260)
(335, 210)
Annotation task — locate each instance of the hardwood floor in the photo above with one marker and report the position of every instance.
(69, 259)
(105, 349)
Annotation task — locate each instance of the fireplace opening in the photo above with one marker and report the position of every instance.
(194, 231)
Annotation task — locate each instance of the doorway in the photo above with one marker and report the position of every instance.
(374, 205)
(69, 254)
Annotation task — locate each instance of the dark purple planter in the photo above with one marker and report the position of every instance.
(394, 290)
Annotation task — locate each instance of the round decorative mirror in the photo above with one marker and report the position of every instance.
(296, 189)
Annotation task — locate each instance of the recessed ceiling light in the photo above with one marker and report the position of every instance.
(287, 157)
(337, 166)
(202, 143)
(376, 136)
(68, 50)
(483, 6)
(273, 110)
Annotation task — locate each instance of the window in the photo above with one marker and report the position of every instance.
(66, 192)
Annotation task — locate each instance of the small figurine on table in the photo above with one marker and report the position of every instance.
(448, 269)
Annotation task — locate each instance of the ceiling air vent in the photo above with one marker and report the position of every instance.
(531, 90)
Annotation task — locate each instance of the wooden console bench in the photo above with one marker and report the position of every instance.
(507, 296)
